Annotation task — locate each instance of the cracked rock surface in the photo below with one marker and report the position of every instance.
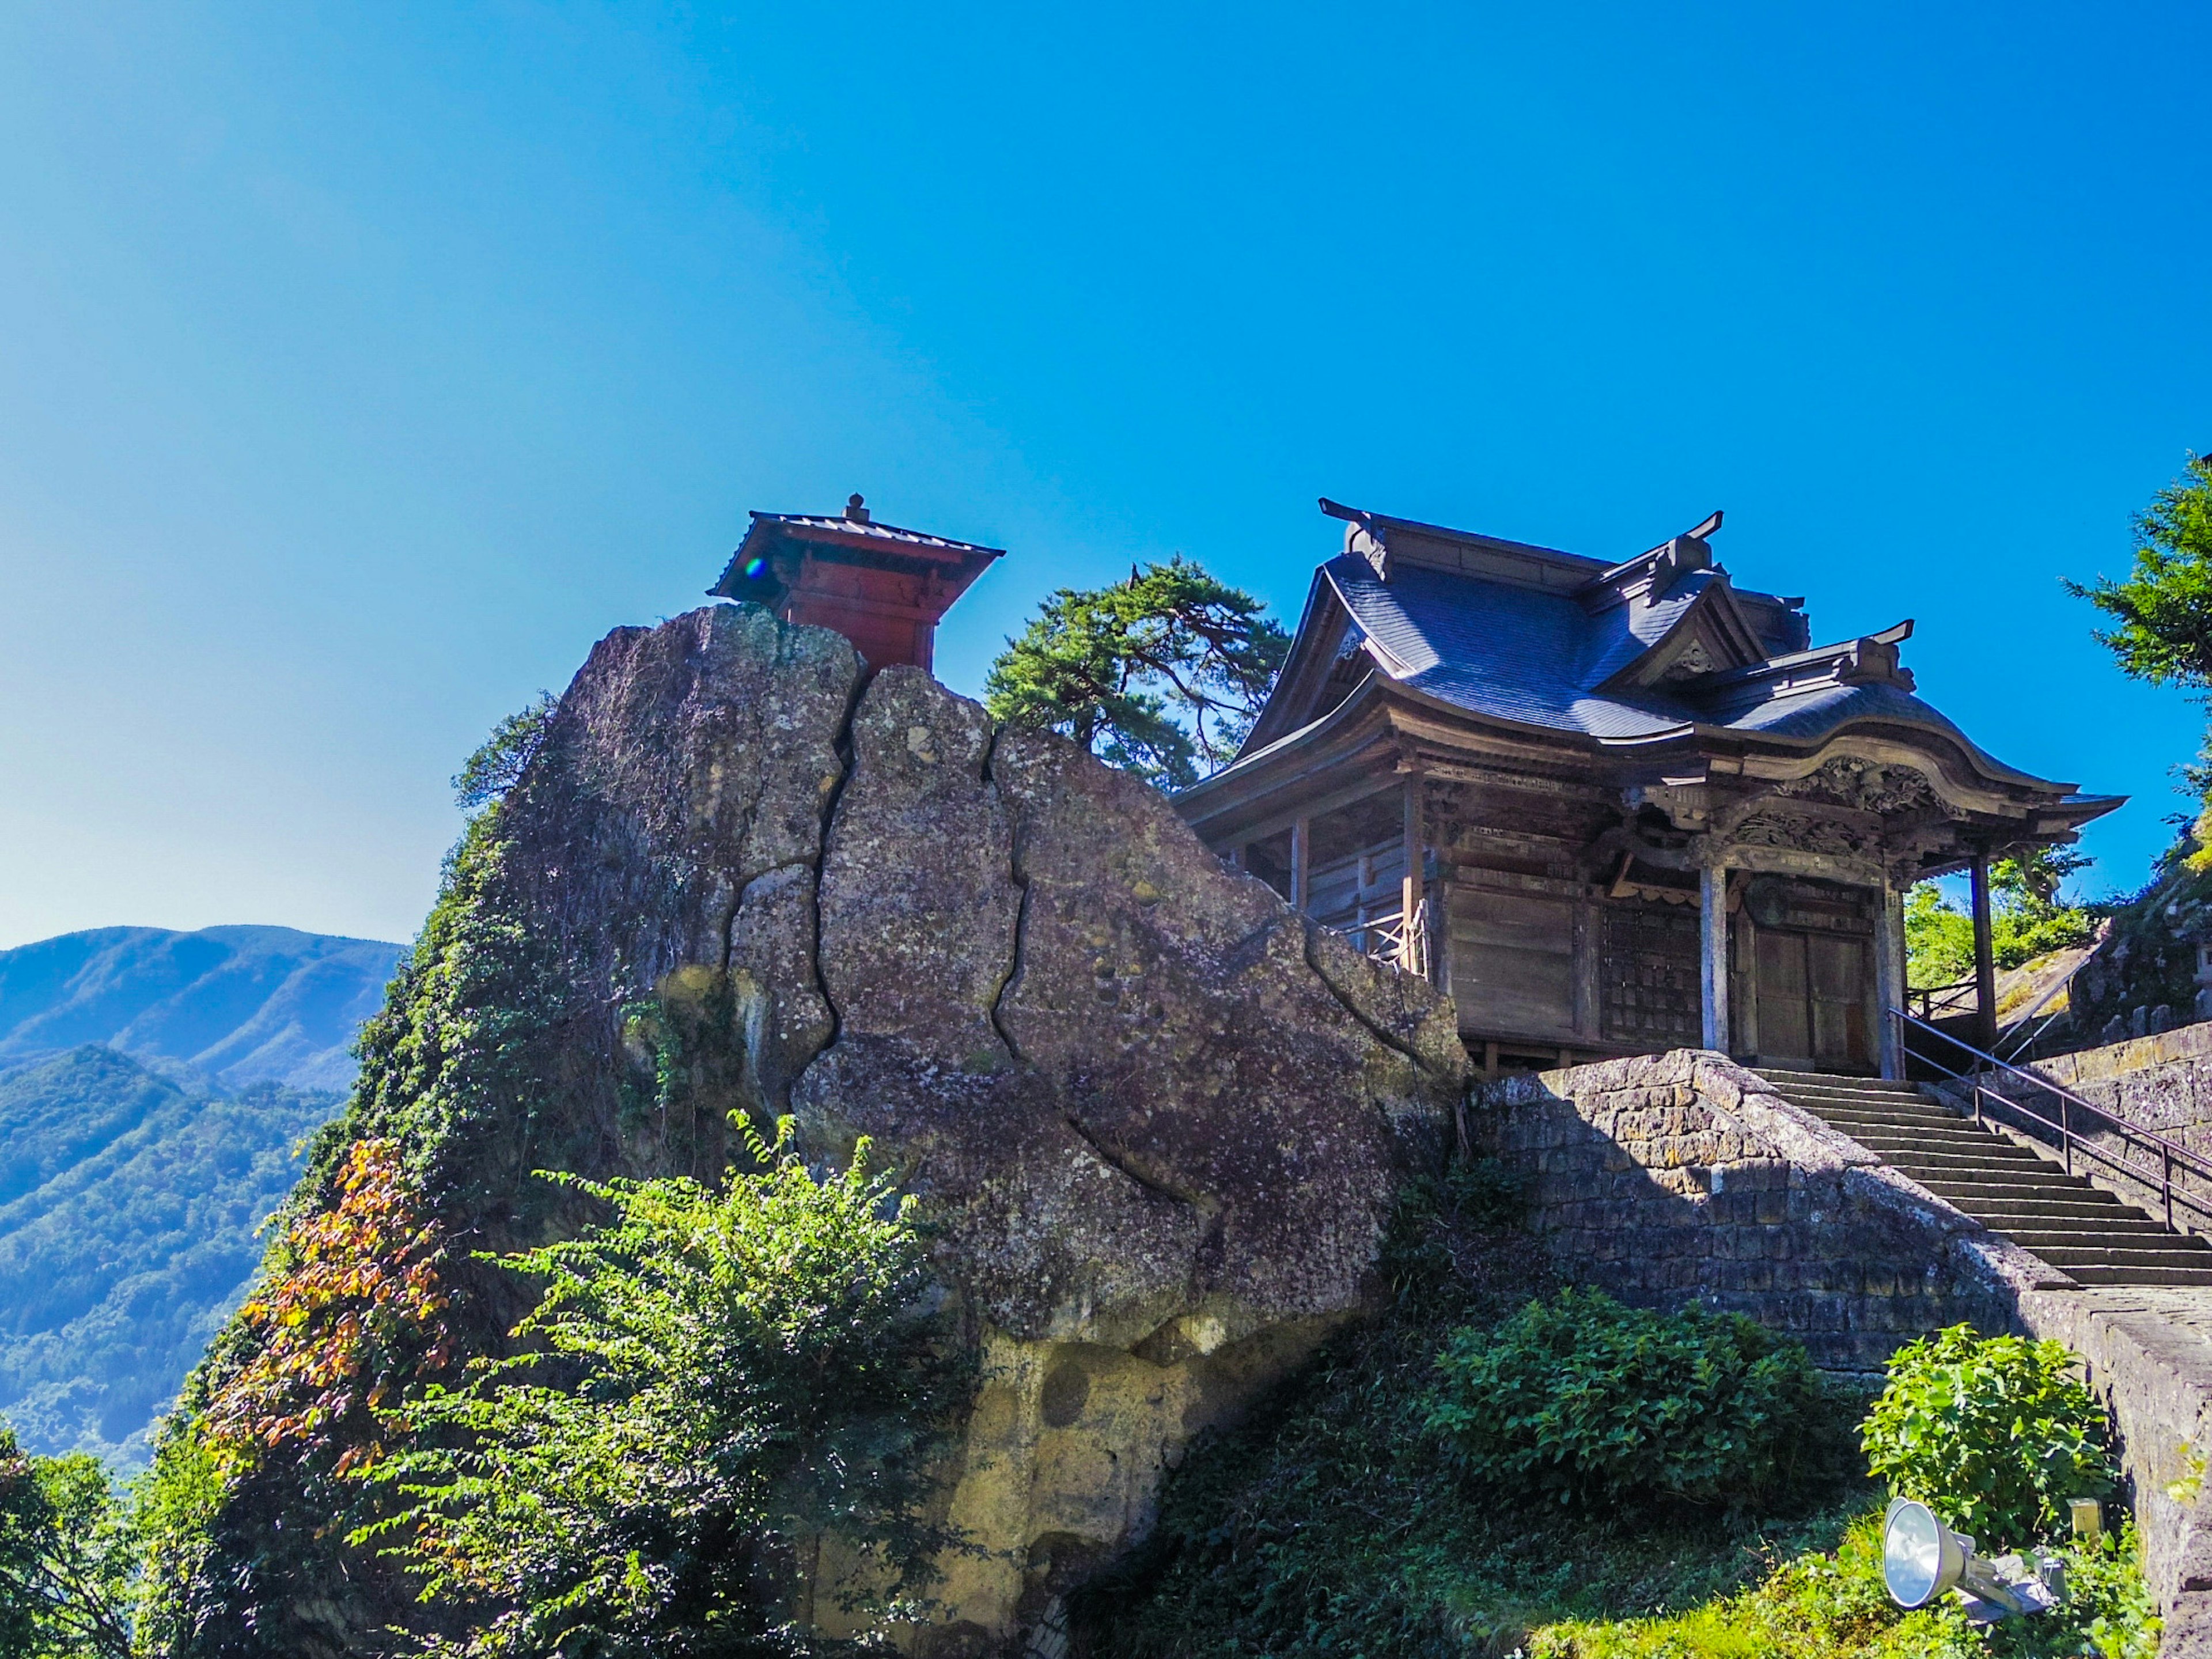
(1160, 1119)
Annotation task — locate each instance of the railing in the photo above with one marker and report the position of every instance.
(1959, 997)
(2169, 1155)
(1390, 940)
(2021, 1040)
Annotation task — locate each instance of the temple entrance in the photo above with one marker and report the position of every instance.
(1813, 993)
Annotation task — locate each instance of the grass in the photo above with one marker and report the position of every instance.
(1830, 1604)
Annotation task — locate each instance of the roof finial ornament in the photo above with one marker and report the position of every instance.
(856, 508)
(1703, 531)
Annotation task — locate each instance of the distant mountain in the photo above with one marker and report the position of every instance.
(242, 1004)
(128, 1207)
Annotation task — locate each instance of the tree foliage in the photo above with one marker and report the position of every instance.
(1158, 675)
(2163, 611)
(717, 1394)
(499, 760)
(68, 1557)
(2027, 918)
(352, 1302)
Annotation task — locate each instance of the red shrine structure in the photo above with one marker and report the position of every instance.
(884, 588)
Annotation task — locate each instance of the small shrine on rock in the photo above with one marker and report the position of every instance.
(884, 588)
(1614, 808)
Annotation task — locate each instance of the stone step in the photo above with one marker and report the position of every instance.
(1975, 1196)
(1781, 1078)
(2089, 1275)
(1943, 1137)
(1880, 1099)
(2068, 1257)
(2102, 1240)
(2013, 1189)
(1900, 1120)
(1863, 1098)
(1874, 1105)
(1998, 1156)
(2062, 1208)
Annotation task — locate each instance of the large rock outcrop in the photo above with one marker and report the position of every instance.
(1160, 1118)
(1163, 1140)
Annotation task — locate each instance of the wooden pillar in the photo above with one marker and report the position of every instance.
(1985, 962)
(1415, 888)
(1301, 865)
(1889, 975)
(1712, 953)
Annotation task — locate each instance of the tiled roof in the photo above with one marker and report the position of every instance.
(1515, 654)
(842, 527)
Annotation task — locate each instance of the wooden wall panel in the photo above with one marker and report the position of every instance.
(1513, 963)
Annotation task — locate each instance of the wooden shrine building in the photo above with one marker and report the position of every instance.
(882, 587)
(1613, 809)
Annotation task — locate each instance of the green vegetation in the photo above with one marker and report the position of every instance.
(1333, 1520)
(714, 1384)
(128, 1208)
(1830, 1604)
(452, 1098)
(1994, 1433)
(1585, 1402)
(2163, 614)
(1156, 675)
(498, 763)
(68, 1557)
(2027, 918)
(2163, 611)
(1338, 1518)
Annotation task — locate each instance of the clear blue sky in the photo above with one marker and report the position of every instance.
(360, 365)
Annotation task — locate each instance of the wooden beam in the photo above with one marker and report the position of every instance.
(1889, 975)
(1712, 954)
(1986, 963)
(1416, 888)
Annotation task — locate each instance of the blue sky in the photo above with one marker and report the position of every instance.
(360, 365)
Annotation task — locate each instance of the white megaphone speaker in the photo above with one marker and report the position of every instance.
(1921, 1558)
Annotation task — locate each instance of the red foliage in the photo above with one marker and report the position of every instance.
(354, 1311)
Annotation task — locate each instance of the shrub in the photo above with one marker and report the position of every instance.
(714, 1383)
(1994, 1433)
(1590, 1403)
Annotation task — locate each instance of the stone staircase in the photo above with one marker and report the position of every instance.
(2082, 1230)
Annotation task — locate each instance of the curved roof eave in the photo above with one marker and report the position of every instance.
(1983, 763)
(1354, 704)
(1296, 662)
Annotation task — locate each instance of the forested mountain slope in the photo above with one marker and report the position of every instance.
(128, 1202)
(241, 1003)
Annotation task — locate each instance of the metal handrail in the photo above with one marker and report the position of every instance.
(2170, 1152)
(2027, 1033)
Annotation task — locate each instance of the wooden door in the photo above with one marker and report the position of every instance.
(1839, 973)
(1812, 1000)
(1785, 1025)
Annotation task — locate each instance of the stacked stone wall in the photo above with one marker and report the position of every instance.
(1672, 1177)
(2161, 1083)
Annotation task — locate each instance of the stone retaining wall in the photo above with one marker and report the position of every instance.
(1679, 1175)
(1684, 1175)
(2161, 1083)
